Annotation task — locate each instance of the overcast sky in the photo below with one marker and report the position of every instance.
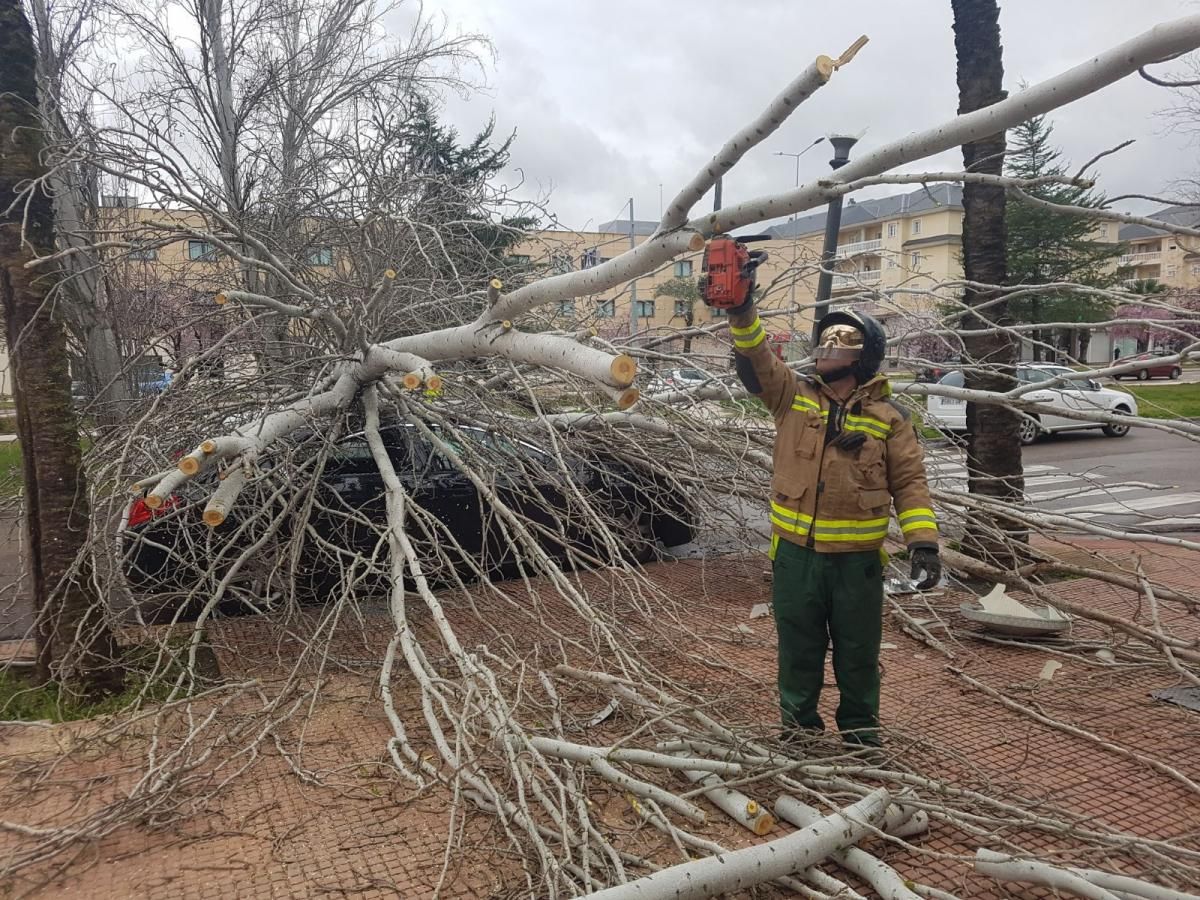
(612, 99)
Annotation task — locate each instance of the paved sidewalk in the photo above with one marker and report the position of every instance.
(269, 834)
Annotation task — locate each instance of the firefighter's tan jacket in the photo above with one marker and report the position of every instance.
(823, 497)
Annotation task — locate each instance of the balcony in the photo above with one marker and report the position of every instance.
(1140, 259)
(858, 248)
(856, 279)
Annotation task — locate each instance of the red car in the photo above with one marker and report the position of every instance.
(1159, 370)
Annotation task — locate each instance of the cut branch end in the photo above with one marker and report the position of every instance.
(623, 370)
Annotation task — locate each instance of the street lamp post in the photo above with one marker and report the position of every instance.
(833, 224)
(792, 300)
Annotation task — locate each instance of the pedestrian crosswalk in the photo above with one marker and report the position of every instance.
(1086, 496)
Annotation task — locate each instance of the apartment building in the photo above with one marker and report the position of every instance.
(1169, 259)
(903, 244)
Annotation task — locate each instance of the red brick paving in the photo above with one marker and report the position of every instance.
(364, 833)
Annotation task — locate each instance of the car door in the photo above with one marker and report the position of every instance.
(1049, 396)
(1076, 394)
(450, 497)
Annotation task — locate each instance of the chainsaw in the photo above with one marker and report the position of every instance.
(729, 269)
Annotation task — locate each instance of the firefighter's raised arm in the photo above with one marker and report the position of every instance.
(728, 283)
(759, 370)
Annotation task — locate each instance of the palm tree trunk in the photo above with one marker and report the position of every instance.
(74, 640)
(993, 447)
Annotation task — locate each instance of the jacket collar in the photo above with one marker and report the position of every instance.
(877, 388)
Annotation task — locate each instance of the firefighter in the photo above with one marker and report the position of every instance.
(844, 453)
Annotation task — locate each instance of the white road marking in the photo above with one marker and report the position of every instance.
(1141, 504)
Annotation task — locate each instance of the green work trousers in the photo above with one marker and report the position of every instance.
(818, 597)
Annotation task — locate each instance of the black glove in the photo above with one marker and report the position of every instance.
(925, 561)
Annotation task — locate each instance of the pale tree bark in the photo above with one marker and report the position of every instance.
(82, 291)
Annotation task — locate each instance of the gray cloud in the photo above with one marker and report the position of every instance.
(612, 100)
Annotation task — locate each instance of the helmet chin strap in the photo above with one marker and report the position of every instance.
(839, 374)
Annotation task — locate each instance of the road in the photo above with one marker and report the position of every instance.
(1146, 480)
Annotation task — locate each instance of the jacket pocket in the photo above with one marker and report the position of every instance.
(872, 466)
(807, 435)
(875, 501)
(788, 488)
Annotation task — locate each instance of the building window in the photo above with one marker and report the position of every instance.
(605, 309)
(682, 307)
(322, 256)
(645, 309)
(916, 226)
(718, 312)
(1170, 271)
(891, 263)
(892, 229)
(1195, 270)
(201, 251)
(567, 308)
(1104, 230)
(561, 263)
(683, 268)
(519, 259)
(914, 261)
(592, 258)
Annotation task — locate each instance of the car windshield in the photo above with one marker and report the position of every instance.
(1032, 376)
(953, 379)
(692, 374)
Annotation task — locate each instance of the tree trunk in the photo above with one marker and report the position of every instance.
(56, 502)
(993, 448)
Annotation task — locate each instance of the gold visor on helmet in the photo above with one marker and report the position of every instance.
(839, 342)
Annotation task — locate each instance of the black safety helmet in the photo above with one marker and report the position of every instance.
(874, 345)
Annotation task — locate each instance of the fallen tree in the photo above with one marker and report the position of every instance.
(484, 684)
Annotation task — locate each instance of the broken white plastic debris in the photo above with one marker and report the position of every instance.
(760, 610)
(887, 646)
(1107, 655)
(998, 603)
(1049, 669)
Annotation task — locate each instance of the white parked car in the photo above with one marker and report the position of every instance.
(1078, 394)
(678, 379)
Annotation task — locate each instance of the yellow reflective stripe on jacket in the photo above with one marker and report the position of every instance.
(916, 519)
(803, 404)
(874, 427)
(871, 426)
(749, 337)
(828, 529)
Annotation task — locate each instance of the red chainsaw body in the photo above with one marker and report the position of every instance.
(728, 275)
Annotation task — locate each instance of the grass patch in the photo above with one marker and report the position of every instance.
(1181, 401)
(12, 479)
(23, 701)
